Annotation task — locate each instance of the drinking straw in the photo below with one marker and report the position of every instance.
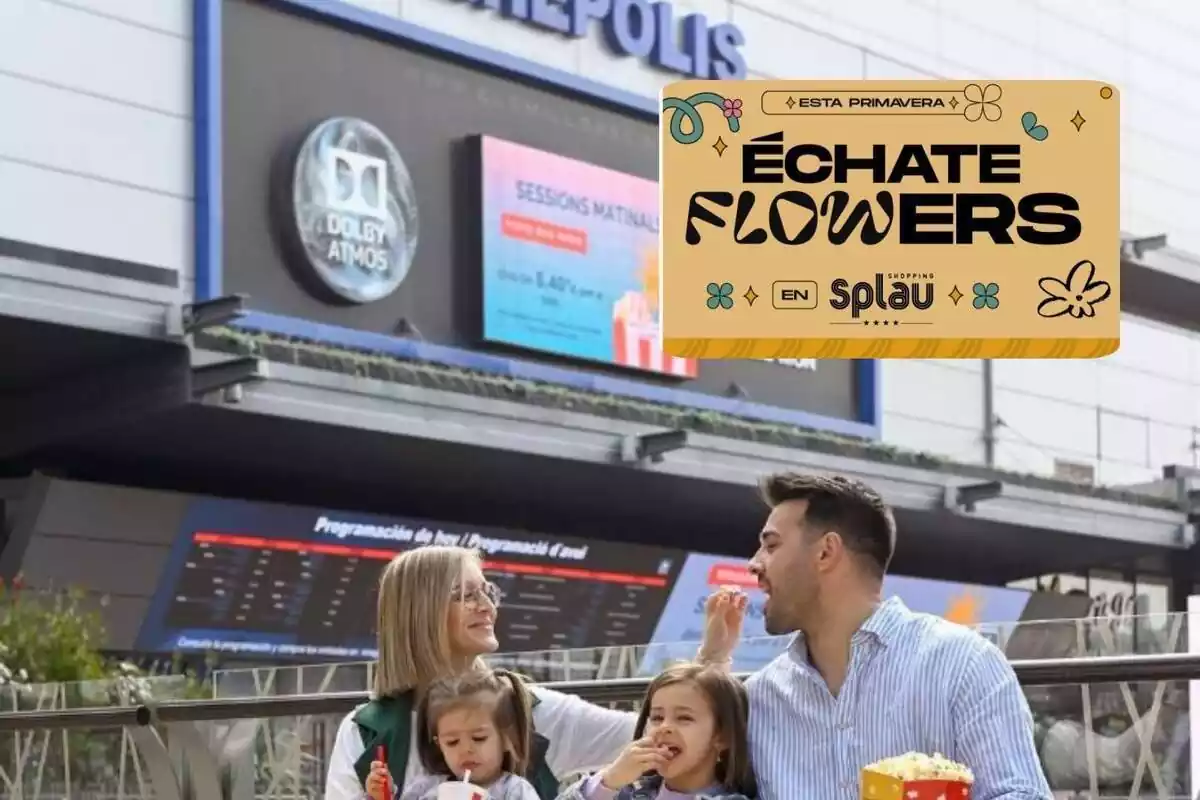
(467, 776)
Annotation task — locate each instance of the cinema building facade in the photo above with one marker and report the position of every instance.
(268, 322)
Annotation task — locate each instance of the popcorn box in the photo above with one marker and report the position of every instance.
(878, 786)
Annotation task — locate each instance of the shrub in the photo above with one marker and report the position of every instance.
(49, 637)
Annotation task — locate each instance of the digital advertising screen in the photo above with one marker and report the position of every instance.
(682, 620)
(570, 259)
(290, 582)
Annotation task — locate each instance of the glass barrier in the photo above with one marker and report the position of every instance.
(1114, 739)
(71, 763)
(1097, 741)
(1077, 638)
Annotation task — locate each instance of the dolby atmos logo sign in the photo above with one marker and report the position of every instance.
(353, 221)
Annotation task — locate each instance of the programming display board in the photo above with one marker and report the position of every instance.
(286, 582)
(282, 581)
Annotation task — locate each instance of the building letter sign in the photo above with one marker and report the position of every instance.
(641, 29)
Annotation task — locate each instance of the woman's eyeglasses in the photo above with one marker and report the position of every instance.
(474, 598)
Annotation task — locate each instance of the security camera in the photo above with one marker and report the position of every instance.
(211, 313)
(1138, 246)
(651, 446)
(966, 497)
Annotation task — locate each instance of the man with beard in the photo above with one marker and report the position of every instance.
(865, 678)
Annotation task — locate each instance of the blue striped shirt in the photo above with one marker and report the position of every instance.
(915, 683)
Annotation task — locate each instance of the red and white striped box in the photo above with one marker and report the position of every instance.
(876, 786)
(637, 339)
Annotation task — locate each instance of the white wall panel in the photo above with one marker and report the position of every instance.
(1124, 438)
(880, 68)
(76, 48)
(1079, 51)
(1156, 349)
(964, 41)
(89, 136)
(963, 445)
(165, 16)
(933, 390)
(95, 150)
(485, 27)
(1072, 381)
(1145, 398)
(1172, 444)
(1146, 395)
(1044, 422)
(84, 215)
(1018, 25)
(788, 50)
(853, 22)
(934, 407)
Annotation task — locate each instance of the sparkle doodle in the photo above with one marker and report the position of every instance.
(889, 199)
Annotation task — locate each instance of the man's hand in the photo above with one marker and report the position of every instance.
(724, 612)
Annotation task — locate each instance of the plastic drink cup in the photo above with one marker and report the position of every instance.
(460, 790)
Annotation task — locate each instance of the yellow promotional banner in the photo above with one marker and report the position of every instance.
(890, 219)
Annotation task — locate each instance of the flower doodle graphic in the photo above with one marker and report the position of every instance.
(720, 296)
(682, 110)
(1077, 295)
(983, 102)
(985, 295)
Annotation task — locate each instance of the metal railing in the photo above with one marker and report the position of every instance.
(213, 749)
(1050, 638)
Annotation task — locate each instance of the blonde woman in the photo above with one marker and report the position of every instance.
(436, 618)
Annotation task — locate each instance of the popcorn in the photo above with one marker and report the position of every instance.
(917, 776)
(921, 767)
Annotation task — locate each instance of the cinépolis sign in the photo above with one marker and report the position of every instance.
(901, 219)
(642, 29)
